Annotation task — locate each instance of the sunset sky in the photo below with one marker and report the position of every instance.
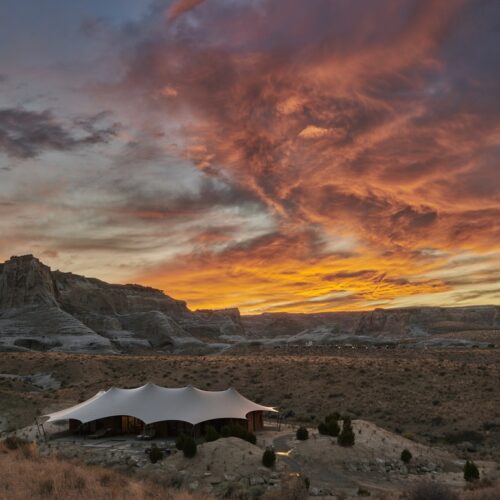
(274, 155)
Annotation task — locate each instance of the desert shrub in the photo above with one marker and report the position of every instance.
(406, 456)
(176, 481)
(471, 472)
(484, 484)
(333, 428)
(330, 426)
(302, 434)
(249, 436)
(79, 483)
(14, 442)
(189, 447)
(105, 480)
(464, 436)
(430, 490)
(211, 434)
(28, 449)
(332, 417)
(238, 431)
(179, 442)
(346, 437)
(268, 457)
(46, 488)
(155, 454)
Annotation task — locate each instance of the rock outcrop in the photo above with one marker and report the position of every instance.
(42, 309)
(26, 281)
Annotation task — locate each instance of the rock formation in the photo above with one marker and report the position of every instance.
(42, 309)
(26, 281)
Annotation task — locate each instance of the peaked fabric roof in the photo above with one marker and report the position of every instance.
(152, 403)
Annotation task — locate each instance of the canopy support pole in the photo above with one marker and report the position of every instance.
(38, 432)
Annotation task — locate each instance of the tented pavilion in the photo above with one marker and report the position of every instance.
(166, 411)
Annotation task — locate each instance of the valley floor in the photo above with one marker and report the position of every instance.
(444, 398)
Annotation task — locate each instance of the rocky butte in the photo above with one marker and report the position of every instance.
(41, 309)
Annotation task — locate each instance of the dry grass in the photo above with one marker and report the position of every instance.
(25, 475)
(492, 493)
(484, 489)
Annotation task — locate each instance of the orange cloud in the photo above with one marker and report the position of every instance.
(181, 6)
(279, 155)
(352, 125)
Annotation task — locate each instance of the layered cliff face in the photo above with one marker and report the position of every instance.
(82, 295)
(422, 321)
(416, 327)
(26, 281)
(42, 309)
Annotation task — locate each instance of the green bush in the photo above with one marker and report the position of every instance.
(406, 456)
(332, 417)
(249, 436)
(464, 436)
(211, 434)
(235, 430)
(302, 434)
(14, 442)
(330, 426)
(268, 458)
(471, 472)
(333, 428)
(179, 442)
(190, 447)
(155, 454)
(346, 437)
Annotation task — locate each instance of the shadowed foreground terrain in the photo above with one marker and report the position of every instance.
(60, 479)
(444, 397)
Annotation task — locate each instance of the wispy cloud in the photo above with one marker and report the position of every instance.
(179, 7)
(26, 134)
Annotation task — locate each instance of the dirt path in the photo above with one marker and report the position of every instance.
(318, 477)
(283, 450)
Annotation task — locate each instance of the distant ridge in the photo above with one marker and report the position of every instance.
(43, 310)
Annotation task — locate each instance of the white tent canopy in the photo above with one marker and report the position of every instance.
(152, 403)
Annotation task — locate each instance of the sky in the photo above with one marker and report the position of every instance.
(271, 155)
